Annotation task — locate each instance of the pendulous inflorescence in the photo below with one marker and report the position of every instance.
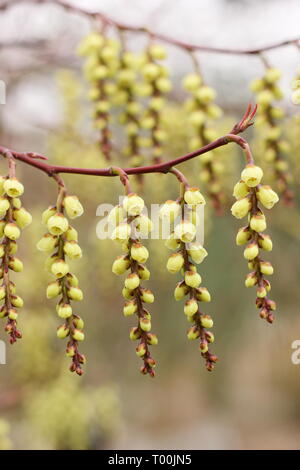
(130, 223)
(14, 218)
(188, 253)
(274, 147)
(155, 85)
(251, 195)
(202, 111)
(61, 242)
(102, 63)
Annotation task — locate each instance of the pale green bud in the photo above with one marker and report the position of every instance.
(133, 204)
(180, 291)
(17, 301)
(258, 222)
(185, 231)
(59, 268)
(206, 321)
(145, 324)
(73, 207)
(265, 242)
(193, 333)
(15, 264)
(74, 293)
(251, 280)
(116, 215)
(193, 196)
(4, 205)
(129, 308)
(139, 252)
(197, 252)
(47, 243)
(202, 294)
(120, 265)
(135, 333)
(57, 224)
(241, 208)
(73, 250)
(267, 196)
(251, 251)
(53, 290)
(192, 82)
(143, 273)
(243, 236)
(147, 296)
(121, 233)
(252, 175)
(13, 187)
(240, 190)
(192, 279)
(12, 231)
(266, 268)
(190, 307)
(48, 213)
(64, 310)
(175, 263)
(132, 281)
(22, 217)
(71, 234)
(62, 331)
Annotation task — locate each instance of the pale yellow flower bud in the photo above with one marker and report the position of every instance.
(57, 224)
(190, 307)
(120, 265)
(193, 196)
(73, 250)
(172, 243)
(121, 232)
(2, 292)
(169, 210)
(205, 94)
(267, 196)
(134, 334)
(185, 231)
(192, 82)
(17, 301)
(141, 350)
(243, 236)
(72, 280)
(157, 52)
(251, 251)
(13, 187)
(64, 310)
(133, 204)
(261, 292)
(116, 215)
(258, 222)
(12, 231)
(74, 293)
(132, 281)
(143, 224)
(62, 331)
(71, 234)
(251, 280)
(266, 268)
(193, 333)
(145, 324)
(4, 205)
(180, 291)
(48, 213)
(265, 242)
(147, 296)
(127, 293)
(22, 217)
(139, 252)
(12, 314)
(252, 175)
(240, 190)
(202, 294)
(206, 321)
(47, 243)
(272, 75)
(73, 207)
(15, 264)
(129, 308)
(53, 290)
(241, 208)
(192, 279)
(197, 252)
(143, 273)
(59, 268)
(152, 339)
(175, 263)
(78, 335)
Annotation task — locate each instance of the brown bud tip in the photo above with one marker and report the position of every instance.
(270, 318)
(79, 371)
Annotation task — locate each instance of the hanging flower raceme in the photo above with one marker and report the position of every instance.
(156, 84)
(61, 242)
(295, 97)
(127, 99)
(102, 63)
(202, 111)
(13, 219)
(251, 197)
(274, 147)
(188, 253)
(130, 223)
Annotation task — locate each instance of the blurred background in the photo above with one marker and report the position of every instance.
(251, 400)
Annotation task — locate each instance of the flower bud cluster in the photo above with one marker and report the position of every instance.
(13, 219)
(202, 112)
(188, 253)
(61, 242)
(101, 66)
(130, 222)
(251, 195)
(274, 147)
(156, 83)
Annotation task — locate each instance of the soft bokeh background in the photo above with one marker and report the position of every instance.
(251, 400)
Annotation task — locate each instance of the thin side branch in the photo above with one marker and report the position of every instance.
(105, 19)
